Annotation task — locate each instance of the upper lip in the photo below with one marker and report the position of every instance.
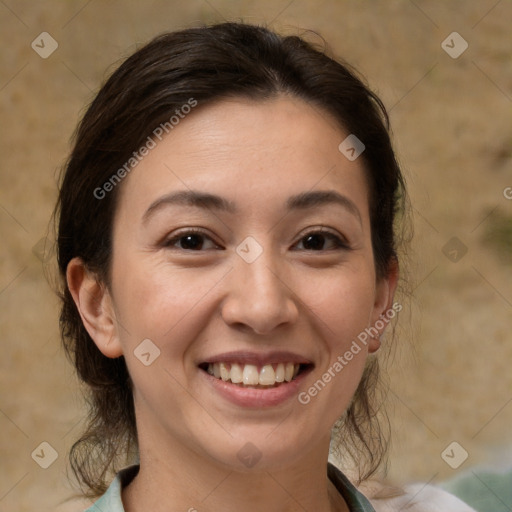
(257, 359)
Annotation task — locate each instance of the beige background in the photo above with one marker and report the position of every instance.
(451, 378)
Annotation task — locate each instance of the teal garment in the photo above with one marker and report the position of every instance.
(485, 491)
(111, 500)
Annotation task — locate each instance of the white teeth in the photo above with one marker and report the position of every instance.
(248, 374)
(267, 376)
(224, 372)
(236, 375)
(288, 372)
(280, 372)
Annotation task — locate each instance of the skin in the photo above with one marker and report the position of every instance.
(194, 304)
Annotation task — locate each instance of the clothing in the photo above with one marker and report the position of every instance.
(413, 498)
(422, 498)
(111, 500)
(483, 489)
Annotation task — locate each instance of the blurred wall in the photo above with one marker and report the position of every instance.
(450, 114)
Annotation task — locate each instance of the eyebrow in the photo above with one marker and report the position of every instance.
(207, 201)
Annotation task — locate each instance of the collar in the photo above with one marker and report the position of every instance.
(111, 500)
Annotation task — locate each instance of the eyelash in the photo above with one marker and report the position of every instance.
(339, 243)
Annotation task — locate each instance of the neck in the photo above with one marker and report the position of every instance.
(180, 478)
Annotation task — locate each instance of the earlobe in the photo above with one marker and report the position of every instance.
(94, 304)
(384, 295)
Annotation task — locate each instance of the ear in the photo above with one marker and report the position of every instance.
(94, 304)
(384, 294)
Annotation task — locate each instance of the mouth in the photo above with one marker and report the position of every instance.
(255, 380)
(255, 376)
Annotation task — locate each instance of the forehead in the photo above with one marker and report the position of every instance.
(253, 152)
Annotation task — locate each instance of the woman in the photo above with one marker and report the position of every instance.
(227, 248)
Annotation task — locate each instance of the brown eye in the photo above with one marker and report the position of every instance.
(318, 240)
(191, 240)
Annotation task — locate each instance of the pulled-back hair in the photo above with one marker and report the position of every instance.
(206, 64)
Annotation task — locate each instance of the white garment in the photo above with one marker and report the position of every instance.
(412, 498)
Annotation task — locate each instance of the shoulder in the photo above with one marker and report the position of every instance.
(413, 498)
(376, 496)
(485, 488)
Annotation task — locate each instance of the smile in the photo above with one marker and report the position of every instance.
(251, 375)
(255, 380)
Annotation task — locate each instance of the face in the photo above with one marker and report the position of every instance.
(242, 248)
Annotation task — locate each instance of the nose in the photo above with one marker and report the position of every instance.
(258, 296)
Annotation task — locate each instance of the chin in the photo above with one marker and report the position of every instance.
(257, 451)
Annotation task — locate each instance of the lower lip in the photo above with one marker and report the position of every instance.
(256, 398)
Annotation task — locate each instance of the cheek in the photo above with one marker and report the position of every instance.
(344, 302)
(168, 307)
(161, 303)
(343, 307)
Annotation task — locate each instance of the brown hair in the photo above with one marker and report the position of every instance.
(207, 64)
